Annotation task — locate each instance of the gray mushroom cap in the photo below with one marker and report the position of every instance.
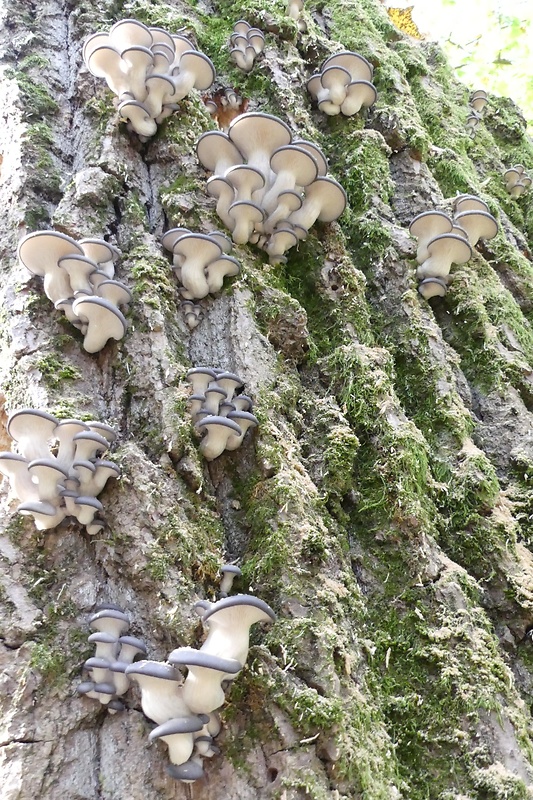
(257, 135)
(180, 725)
(153, 669)
(201, 377)
(99, 251)
(478, 225)
(444, 251)
(104, 322)
(187, 773)
(239, 600)
(469, 202)
(110, 620)
(41, 250)
(219, 430)
(32, 429)
(360, 68)
(432, 287)
(425, 227)
(217, 153)
(189, 657)
(139, 116)
(104, 430)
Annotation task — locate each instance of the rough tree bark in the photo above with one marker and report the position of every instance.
(384, 505)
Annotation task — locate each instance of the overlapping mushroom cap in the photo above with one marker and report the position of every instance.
(148, 69)
(343, 84)
(58, 472)
(78, 278)
(270, 189)
(217, 412)
(517, 181)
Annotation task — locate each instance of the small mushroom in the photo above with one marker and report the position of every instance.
(425, 227)
(32, 430)
(202, 690)
(229, 621)
(432, 287)
(219, 429)
(217, 153)
(444, 251)
(177, 733)
(478, 225)
(257, 136)
(103, 319)
(325, 200)
(195, 70)
(159, 684)
(229, 573)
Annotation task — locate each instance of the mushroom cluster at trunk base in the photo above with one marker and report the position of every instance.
(79, 280)
(201, 263)
(245, 44)
(443, 241)
(185, 709)
(59, 470)
(478, 101)
(294, 11)
(270, 188)
(219, 413)
(114, 653)
(148, 69)
(517, 181)
(343, 85)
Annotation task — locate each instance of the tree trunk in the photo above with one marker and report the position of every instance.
(383, 507)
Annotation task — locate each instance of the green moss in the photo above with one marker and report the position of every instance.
(153, 279)
(55, 370)
(37, 102)
(364, 166)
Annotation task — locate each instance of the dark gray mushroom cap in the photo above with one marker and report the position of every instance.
(101, 636)
(116, 705)
(189, 657)
(96, 663)
(48, 464)
(231, 568)
(38, 508)
(132, 641)
(179, 725)
(109, 613)
(104, 688)
(188, 772)
(216, 420)
(84, 687)
(108, 607)
(153, 669)
(92, 502)
(239, 600)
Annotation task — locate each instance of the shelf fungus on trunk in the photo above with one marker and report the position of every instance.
(245, 44)
(343, 84)
(184, 708)
(218, 413)
(148, 69)
(270, 189)
(517, 181)
(114, 653)
(58, 472)
(443, 241)
(78, 279)
(200, 262)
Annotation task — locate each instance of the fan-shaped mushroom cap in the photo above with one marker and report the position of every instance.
(444, 251)
(102, 429)
(229, 621)
(40, 253)
(128, 32)
(432, 287)
(130, 646)
(469, 202)
(223, 241)
(160, 37)
(178, 735)
(47, 473)
(95, 526)
(159, 684)
(425, 227)
(197, 251)
(245, 181)
(86, 687)
(88, 443)
(104, 692)
(359, 94)
(479, 100)
(79, 269)
(65, 305)
(189, 772)
(195, 70)
(161, 90)
(99, 670)
(325, 200)
(214, 395)
(86, 509)
(478, 225)
(219, 429)
(217, 271)
(92, 42)
(316, 152)
(202, 689)
(288, 202)
(111, 621)
(242, 402)
(172, 236)
(15, 468)
(281, 240)
(139, 117)
(359, 68)
(229, 382)
(105, 62)
(45, 515)
(293, 166)
(225, 195)
(101, 252)
(200, 378)
(114, 292)
(246, 216)
(103, 319)
(256, 39)
(229, 573)
(334, 81)
(244, 420)
(32, 430)
(257, 136)
(217, 153)
(243, 54)
(104, 470)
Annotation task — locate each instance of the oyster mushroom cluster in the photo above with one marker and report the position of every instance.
(517, 181)
(79, 280)
(201, 263)
(115, 651)
(443, 241)
(148, 69)
(294, 11)
(245, 44)
(219, 413)
(185, 710)
(478, 101)
(270, 188)
(343, 85)
(59, 470)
